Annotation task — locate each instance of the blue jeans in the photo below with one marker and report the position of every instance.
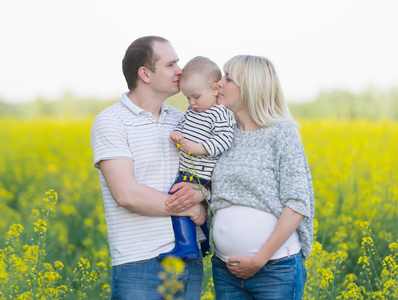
(139, 280)
(284, 279)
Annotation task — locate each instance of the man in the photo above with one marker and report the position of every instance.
(137, 166)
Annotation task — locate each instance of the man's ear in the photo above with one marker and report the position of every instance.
(214, 89)
(144, 75)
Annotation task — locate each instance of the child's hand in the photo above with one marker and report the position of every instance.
(176, 137)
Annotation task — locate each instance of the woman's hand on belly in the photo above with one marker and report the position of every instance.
(246, 267)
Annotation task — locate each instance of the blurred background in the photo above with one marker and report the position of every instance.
(60, 65)
(337, 55)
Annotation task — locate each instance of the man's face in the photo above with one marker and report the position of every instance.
(166, 77)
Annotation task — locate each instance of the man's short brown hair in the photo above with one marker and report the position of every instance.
(140, 54)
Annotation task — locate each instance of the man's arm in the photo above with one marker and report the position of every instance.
(128, 193)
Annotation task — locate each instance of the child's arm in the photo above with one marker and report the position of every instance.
(176, 137)
(222, 132)
(193, 148)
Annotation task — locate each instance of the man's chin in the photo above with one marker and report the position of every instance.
(173, 93)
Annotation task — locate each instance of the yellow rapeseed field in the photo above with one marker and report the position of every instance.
(53, 242)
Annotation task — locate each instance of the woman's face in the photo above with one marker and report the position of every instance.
(228, 93)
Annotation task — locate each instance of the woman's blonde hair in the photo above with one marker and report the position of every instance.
(260, 89)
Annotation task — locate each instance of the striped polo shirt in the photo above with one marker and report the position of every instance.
(213, 128)
(125, 131)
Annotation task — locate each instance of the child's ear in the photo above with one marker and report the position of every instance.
(214, 89)
(143, 74)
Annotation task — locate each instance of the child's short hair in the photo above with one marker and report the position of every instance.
(203, 66)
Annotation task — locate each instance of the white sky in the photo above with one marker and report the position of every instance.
(49, 47)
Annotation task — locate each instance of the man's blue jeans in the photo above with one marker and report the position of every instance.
(284, 279)
(140, 280)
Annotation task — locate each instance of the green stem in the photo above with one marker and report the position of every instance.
(377, 257)
(194, 173)
(369, 281)
(42, 243)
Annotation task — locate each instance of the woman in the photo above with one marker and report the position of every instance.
(262, 190)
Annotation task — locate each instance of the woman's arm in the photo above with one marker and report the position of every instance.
(247, 266)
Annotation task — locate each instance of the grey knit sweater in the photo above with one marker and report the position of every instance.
(267, 174)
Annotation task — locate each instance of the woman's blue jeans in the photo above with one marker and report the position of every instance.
(140, 280)
(284, 279)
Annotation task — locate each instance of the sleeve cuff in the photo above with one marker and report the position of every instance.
(299, 207)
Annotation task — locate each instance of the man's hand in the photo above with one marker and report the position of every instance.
(184, 197)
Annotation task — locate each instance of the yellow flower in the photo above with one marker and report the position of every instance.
(377, 295)
(173, 265)
(364, 260)
(393, 246)
(101, 264)
(40, 225)
(326, 277)
(365, 225)
(59, 265)
(367, 240)
(15, 231)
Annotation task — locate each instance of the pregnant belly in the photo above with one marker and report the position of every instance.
(241, 231)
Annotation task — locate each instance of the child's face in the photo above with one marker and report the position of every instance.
(200, 96)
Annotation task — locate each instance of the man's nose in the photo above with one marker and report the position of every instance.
(178, 70)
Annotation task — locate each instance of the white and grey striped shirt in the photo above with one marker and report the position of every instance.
(125, 131)
(212, 128)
